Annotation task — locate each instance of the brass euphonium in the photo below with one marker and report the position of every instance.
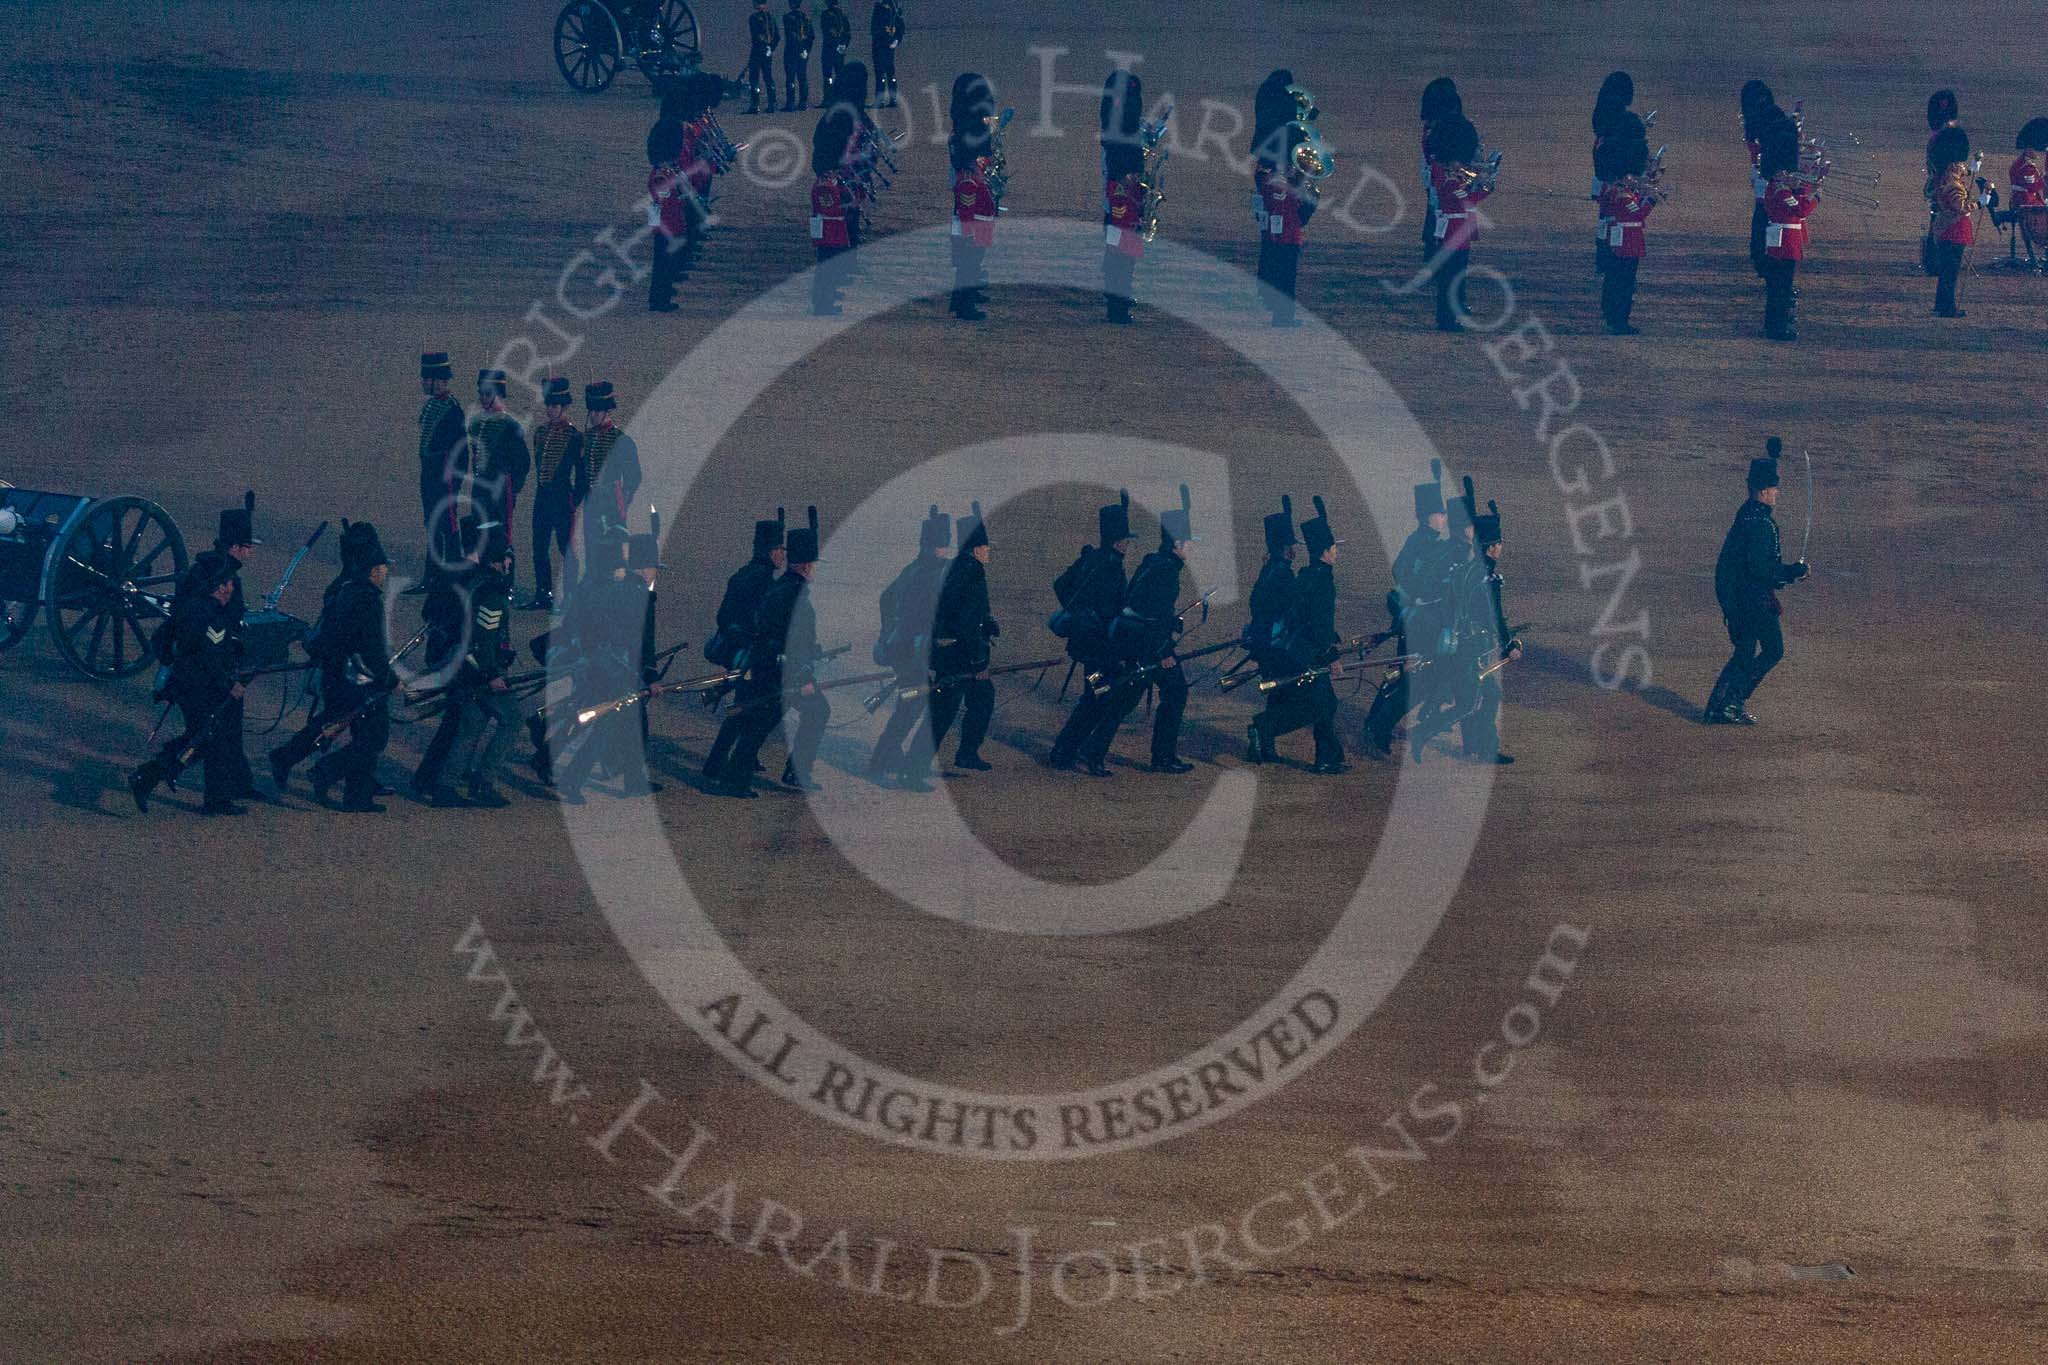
(1311, 155)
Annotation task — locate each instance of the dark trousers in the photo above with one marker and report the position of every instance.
(979, 698)
(1948, 266)
(903, 721)
(796, 76)
(1459, 696)
(1758, 221)
(1618, 290)
(1759, 643)
(1118, 273)
(1311, 705)
(354, 763)
(1279, 267)
(759, 721)
(829, 62)
(968, 258)
(214, 724)
(1166, 716)
(613, 740)
(1779, 312)
(885, 74)
(554, 522)
(437, 512)
(1083, 720)
(462, 729)
(761, 77)
(1389, 704)
(1602, 254)
(669, 260)
(828, 279)
(1450, 288)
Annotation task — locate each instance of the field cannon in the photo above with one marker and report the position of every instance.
(103, 569)
(594, 39)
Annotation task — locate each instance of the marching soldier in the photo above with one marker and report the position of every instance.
(1123, 192)
(444, 456)
(974, 203)
(356, 678)
(478, 698)
(1469, 695)
(613, 460)
(1416, 606)
(797, 36)
(761, 39)
(1287, 201)
(1143, 637)
(1091, 593)
(448, 617)
(781, 674)
(1747, 576)
(236, 538)
(499, 460)
(204, 637)
(1272, 595)
(1955, 203)
(837, 31)
(617, 636)
(1309, 639)
(1460, 186)
(732, 636)
(1789, 200)
(909, 604)
(561, 482)
(886, 29)
(831, 210)
(1626, 199)
(962, 631)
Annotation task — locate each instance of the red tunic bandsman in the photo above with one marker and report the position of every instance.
(1789, 200)
(1460, 187)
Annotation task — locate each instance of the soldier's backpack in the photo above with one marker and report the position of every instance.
(1066, 621)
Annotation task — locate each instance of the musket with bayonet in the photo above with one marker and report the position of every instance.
(1359, 646)
(950, 680)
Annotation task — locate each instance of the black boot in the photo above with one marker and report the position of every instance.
(143, 781)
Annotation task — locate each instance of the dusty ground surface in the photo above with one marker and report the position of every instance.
(251, 1110)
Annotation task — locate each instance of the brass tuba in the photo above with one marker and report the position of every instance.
(1311, 155)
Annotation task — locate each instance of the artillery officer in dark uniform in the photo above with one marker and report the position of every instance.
(797, 37)
(1091, 593)
(886, 29)
(499, 460)
(762, 36)
(237, 540)
(1747, 577)
(479, 699)
(356, 677)
(204, 653)
(962, 632)
(1309, 642)
(561, 481)
(612, 461)
(732, 636)
(837, 32)
(444, 455)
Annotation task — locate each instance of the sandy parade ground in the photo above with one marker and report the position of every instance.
(1668, 1043)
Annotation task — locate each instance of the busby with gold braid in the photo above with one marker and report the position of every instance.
(435, 365)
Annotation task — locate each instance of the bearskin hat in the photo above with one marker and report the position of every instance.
(1623, 150)
(664, 141)
(974, 100)
(1942, 108)
(829, 141)
(1949, 146)
(1440, 97)
(2033, 136)
(1454, 139)
(1619, 89)
(1778, 148)
(849, 87)
(1123, 107)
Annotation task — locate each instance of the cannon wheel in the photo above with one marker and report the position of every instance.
(676, 45)
(589, 49)
(15, 616)
(108, 581)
